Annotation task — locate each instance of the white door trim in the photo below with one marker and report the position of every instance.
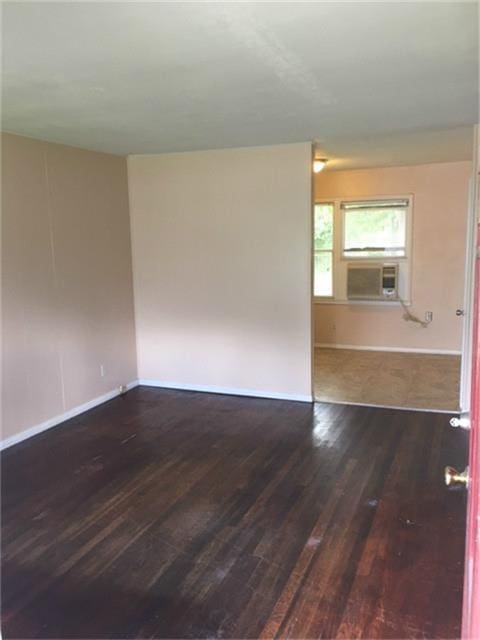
(466, 367)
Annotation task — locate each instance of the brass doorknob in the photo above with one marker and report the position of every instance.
(454, 477)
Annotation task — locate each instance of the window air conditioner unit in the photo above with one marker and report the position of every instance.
(372, 281)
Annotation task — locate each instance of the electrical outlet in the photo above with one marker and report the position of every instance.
(428, 316)
(102, 371)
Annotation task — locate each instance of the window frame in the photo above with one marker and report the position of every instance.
(331, 251)
(408, 225)
(339, 260)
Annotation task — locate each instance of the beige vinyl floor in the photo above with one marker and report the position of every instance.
(410, 380)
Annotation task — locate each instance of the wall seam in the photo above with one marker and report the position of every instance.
(54, 270)
(133, 270)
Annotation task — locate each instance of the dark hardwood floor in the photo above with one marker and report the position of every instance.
(168, 514)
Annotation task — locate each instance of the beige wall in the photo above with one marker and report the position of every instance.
(66, 280)
(439, 226)
(221, 253)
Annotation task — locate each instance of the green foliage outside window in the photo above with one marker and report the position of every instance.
(323, 250)
(375, 232)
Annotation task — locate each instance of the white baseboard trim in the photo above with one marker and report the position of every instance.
(253, 393)
(355, 347)
(71, 413)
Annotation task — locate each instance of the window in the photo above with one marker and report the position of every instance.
(323, 249)
(375, 229)
(349, 232)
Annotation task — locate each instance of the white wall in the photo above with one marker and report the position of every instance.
(222, 268)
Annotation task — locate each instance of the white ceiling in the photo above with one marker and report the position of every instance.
(371, 82)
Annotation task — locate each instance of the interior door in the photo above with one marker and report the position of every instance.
(471, 601)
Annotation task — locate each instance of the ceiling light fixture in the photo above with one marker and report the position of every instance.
(319, 164)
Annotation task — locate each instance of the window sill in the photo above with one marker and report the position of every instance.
(382, 259)
(368, 303)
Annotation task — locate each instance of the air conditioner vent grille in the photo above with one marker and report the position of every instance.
(372, 281)
(364, 282)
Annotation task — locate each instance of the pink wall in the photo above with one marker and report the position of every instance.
(222, 269)
(439, 226)
(67, 289)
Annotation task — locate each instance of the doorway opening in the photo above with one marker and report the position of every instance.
(392, 254)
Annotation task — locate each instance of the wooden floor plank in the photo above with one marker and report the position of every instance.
(168, 514)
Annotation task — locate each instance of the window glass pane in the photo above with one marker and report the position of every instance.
(323, 226)
(371, 232)
(323, 274)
